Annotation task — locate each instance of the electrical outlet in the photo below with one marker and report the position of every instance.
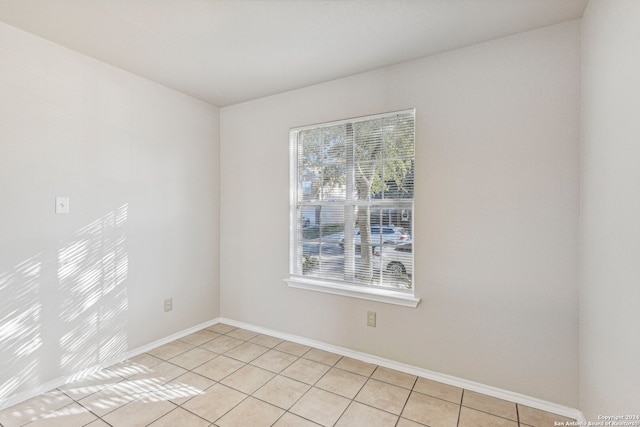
(168, 304)
(371, 318)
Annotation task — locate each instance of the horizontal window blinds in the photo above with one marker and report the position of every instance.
(352, 189)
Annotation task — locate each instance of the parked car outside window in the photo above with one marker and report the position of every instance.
(394, 259)
(380, 235)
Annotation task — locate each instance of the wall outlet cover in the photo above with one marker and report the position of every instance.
(371, 319)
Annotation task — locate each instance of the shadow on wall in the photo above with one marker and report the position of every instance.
(65, 311)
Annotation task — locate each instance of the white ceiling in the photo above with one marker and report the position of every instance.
(225, 52)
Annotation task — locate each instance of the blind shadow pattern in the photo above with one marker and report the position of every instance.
(64, 310)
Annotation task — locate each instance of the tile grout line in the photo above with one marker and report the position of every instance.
(411, 390)
(149, 388)
(460, 408)
(148, 391)
(355, 395)
(491, 413)
(249, 364)
(193, 397)
(280, 373)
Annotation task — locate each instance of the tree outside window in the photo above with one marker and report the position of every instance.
(352, 185)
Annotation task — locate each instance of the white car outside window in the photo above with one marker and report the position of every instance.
(390, 234)
(394, 259)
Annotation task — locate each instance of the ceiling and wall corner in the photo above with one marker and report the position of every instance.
(225, 52)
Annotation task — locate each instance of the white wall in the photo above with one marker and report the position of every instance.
(610, 210)
(139, 163)
(496, 214)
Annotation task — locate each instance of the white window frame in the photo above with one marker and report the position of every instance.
(405, 297)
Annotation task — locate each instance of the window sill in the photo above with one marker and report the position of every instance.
(353, 291)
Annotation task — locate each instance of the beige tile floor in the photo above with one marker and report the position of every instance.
(226, 377)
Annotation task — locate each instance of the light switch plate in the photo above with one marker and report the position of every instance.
(62, 205)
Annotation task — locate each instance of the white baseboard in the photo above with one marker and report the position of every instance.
(413, 370)
(55, 383)
(166, 340)
(369, 358)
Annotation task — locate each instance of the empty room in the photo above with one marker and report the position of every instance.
(341, 213)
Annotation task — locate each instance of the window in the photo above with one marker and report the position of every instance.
(351, 225)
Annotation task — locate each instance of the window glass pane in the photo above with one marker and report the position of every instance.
(322, 163)
(394, 264)
(354, 201)
(310, 184)
(322, 254)
(367, 179)
(333, 177)
(398, 179)
(398, 136)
